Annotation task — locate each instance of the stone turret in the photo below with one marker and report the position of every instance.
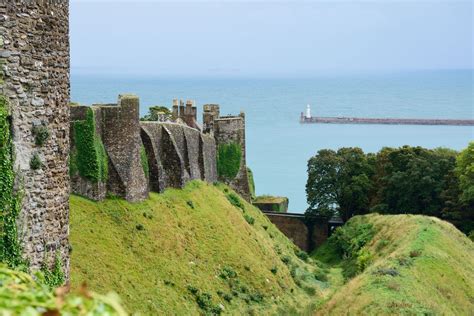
(229, 129)
(34, 80)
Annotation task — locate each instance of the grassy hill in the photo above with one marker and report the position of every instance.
(400, 264)
(197, 250)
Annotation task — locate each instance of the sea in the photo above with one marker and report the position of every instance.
(278, 146)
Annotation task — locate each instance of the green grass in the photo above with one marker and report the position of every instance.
(168, 255)
(420, 266)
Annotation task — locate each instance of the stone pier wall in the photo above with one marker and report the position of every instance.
(34, 59)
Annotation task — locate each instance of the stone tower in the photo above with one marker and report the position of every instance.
(34, 81)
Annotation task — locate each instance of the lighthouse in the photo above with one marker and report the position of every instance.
(308, 112)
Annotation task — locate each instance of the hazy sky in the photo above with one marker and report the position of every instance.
(257, 38)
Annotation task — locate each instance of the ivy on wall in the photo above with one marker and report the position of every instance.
(10, 201)
(229, 157)
(251, 183)
(144, 161)
(90, 158)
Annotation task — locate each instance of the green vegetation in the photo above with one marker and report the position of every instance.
(251, 183)
(435, 182)
(215, 260)
(35, 162)
(90, 158)
(54, 277)
(41, 134)
(229, 157)
(144, 161)
(20, 294)
(399, 264)
(154, 113)
(10, 201)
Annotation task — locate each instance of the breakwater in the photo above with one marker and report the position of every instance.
(389, 121)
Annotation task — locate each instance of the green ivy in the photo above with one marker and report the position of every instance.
(229, 157)
(144, 161)
(10, 201)
(54, 277)
(91, 159)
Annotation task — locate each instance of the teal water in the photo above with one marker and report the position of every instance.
(278, 147)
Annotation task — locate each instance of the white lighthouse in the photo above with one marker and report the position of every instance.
(308, 112)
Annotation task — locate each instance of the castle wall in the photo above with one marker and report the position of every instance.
(179, 154)
(121, 138)
(209, 151)
(232, 129)
(307, 236)
(34, 53)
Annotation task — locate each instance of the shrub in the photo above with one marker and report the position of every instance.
(35, 162)
(274, 270)
(249, 219)
(320, 276)
(235, 200)
(229, 157)
(190, 204)
(140, 227)
(471, 235)
(301, 254)
(382, 243)
(228, 273)
(41, 134)
(286, 260)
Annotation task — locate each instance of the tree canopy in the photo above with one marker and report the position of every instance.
(436, 182)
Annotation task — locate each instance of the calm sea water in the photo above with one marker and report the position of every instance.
(278, 146)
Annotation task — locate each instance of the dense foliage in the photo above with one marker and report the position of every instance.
(229, 157)
(10, 201)
(90, 155)
(436, 182)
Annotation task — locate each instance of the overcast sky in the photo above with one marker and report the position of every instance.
(279, 38)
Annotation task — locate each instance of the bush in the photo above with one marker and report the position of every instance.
(35, 162)
(274, 270)
(320, 276)
(228, 273)
(229, 157)
(471, 235)
(249, 219)
(286, 260)
(235, 200)
(41, 135)
(301, 254)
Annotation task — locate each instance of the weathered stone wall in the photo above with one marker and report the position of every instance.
(177, 154)
(232, 129)
(34, 52)
(306, 236)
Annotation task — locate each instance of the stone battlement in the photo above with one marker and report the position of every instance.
(143, 156)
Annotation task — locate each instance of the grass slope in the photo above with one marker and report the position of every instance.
(189, 251)
(418, 266)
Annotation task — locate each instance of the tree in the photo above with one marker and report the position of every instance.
(465, 172)
(154, 113)
(411, 180)
(339, 182)
(321, 187)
